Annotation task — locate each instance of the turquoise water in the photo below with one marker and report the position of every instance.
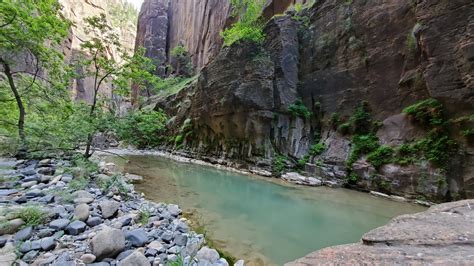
(262, 220)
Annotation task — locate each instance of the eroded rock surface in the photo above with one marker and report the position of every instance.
(443, 235)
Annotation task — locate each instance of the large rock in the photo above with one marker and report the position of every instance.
(108, 243)
(442, 235)
(109, 208)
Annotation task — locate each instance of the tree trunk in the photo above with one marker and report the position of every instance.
(21, 118)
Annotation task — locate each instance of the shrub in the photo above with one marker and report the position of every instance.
(317, 149)
(142, 128)
(179, 51)
(344, 129)
(382, 155)
(361, 121)
(298, 109)
(279, 164)
(362, 144)
(144, 216)
(428, 112)
(248, 27)
(32, 215)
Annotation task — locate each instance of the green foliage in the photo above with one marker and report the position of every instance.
(382, 155)
(279, 164)
(317, 149)
(248, 27)
(428, 112)
(362, 144)
(122, 13)
(115, 182)
(361, 121)
(32, 215)
(142, 128)
(144, 216)
(178, 51)
(298, 109)
(344, 129)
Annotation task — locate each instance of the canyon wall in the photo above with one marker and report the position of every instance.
(124, 27)
(329, 60)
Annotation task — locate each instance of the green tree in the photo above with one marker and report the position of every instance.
(103, 67)
(249, 26)
(29, 29)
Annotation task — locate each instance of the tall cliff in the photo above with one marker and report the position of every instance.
(194, 24)
(121, 20)
(316, 69)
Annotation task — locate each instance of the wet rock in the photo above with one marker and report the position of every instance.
(81, 212)
(59, 224)
(108, 243)
(24, 234)
(135, 259)
(76, 228)
(137, 237)
(301, 180)
(109, 208)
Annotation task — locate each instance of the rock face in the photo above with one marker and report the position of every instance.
(341, 55)
(442, 235)
(77, 11)
(195, 24)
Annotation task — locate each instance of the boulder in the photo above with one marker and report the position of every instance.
(107, 243)
(109, 208)
(76, 228)
(81, 212)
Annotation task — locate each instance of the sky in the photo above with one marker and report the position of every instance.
(136, 3)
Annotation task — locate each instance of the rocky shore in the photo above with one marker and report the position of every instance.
(55, 213)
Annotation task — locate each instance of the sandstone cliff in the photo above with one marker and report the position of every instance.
(76, 12)
(334, 57)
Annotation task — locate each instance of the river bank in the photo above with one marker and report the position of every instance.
(232, 166)
(56, 212)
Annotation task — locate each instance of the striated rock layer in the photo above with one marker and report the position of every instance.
(334, 56)
(443, 235)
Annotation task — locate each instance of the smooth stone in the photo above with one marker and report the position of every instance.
(48, 243)
(34, 193)
(30, 256)
(88, 258)
(81, 212)
(76, 228)
(109, 208)
(83, 200)
(30, 245)
(94, 221)
(23, 234)
(124, 254)
(137, 237)
(108, 243)
(155, 245)
(59, 224)
(135, 259)
(29, 184)
(7, 192)
(206, 254)
(11, 227)
(66, 178)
